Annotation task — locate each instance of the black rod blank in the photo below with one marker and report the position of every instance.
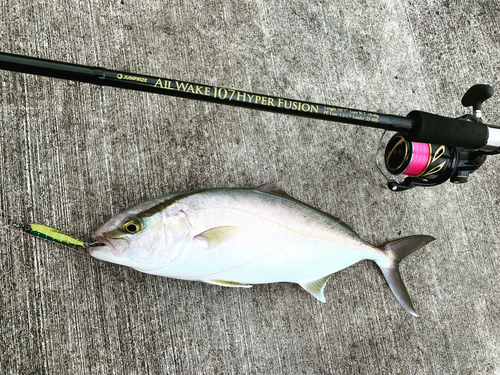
(106, 77)
(419, 126)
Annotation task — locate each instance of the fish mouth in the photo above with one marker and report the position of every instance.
(95, 244)
(102, 245)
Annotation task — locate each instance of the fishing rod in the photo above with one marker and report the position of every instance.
(428, 148)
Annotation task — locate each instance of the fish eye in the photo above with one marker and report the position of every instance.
(132, 225)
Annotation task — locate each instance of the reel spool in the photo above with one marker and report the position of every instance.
(428, 164)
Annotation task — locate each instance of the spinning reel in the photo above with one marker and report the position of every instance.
(429, 164)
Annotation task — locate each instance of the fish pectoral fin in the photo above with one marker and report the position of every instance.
(216, 236)
(232, 284)
(316, 287)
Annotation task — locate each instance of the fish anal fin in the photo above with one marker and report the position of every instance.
(232, 284)
(215, 236)
(316, 287)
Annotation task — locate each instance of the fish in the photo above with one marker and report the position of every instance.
(238, 237)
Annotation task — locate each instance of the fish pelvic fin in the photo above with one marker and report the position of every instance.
(316, 287)
(396, 251)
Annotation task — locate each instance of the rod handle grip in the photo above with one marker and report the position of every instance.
(431, 128)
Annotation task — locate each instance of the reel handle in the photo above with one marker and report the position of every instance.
(476, 96)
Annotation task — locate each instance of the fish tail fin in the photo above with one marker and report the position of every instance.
(396, 251)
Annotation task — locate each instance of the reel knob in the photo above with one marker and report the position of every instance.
(476, 96)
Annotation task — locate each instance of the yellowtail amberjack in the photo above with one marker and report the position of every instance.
(239, 237)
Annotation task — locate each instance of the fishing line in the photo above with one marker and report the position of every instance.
(420, 159)
(289, 245)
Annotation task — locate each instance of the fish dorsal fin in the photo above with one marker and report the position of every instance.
(215, 236)
(275, 188)
(232, 284)
(316, 287)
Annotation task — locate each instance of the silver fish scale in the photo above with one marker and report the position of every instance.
(289, 213)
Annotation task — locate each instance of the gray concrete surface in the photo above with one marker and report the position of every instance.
(72, 155)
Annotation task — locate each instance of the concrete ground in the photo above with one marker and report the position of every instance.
(72, 155)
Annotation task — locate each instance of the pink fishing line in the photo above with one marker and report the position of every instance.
(419, 159)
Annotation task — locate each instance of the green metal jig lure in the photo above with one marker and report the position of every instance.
(51, 234)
